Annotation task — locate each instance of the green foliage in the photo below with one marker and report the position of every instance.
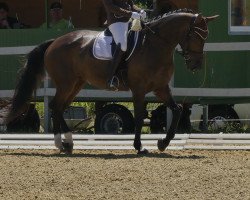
(89, 106)
(143, 3)
(230, 127)
(140, 5)
(40, 108)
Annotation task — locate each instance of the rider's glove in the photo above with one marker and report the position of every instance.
(136, 15)
(143, 15)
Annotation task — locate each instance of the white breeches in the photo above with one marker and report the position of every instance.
(120, 33)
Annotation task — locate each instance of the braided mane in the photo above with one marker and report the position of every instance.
(156, 19)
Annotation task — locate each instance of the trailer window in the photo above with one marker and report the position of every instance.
(239, 18)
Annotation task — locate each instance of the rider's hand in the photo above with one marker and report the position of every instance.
(143, 15)
(136, 15)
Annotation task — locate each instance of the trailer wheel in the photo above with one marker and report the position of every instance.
(218, 117)
(114, 119)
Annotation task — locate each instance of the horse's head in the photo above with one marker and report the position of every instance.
(193, 43)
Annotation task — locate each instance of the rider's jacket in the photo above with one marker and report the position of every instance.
(119, 10)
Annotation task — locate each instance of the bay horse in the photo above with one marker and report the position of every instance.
(70, 64)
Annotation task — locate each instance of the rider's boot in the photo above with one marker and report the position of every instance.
(113, 81)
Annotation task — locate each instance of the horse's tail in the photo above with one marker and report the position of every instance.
(30, 77)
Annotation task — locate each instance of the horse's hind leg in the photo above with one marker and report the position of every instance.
(165, 95)
(63, 98)
(57, 111)
(139, 107)
(68, 142)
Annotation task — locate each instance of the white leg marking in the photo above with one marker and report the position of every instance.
(58, 141)
(68, 137)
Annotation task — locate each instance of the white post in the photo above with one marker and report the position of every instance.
(47, 117)
(205, 117)
(169, 118)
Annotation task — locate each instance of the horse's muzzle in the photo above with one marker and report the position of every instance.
(195, 63)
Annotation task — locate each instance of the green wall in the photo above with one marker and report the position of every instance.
(221, 69)
(10, 64)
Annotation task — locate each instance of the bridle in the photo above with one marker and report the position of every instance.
(193, 30)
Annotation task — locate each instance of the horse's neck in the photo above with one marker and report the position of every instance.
(172, 30)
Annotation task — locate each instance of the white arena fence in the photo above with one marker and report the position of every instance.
(125, 142)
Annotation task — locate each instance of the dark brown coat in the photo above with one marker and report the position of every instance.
(119, 10)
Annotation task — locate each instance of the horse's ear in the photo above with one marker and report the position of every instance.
(209, 19)
(198, 18)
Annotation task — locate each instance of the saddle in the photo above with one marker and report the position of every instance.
(104, 48)
(104, 45)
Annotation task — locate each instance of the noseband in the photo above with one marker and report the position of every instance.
(193, 30)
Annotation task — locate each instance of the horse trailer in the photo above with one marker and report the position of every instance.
(221, 90)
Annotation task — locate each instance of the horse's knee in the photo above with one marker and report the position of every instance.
(177, 110)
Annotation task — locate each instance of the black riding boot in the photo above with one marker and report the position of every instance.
(113, 81)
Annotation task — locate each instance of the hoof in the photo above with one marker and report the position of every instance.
(162, 144)
(143, 152)
(67, 148)
(138, 146)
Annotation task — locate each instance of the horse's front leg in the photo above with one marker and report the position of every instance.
(176, 111)
(165, 95)
(139, 109)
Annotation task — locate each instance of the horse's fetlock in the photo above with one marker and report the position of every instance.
(170, 136)
(137, 145)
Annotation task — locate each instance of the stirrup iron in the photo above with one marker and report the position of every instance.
(112, 83)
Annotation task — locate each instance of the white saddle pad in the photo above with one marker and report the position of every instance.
(102, 47)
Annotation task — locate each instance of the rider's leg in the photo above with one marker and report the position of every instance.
(120, 32)
(113, 82)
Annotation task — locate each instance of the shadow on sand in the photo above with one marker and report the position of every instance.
(108, 156)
